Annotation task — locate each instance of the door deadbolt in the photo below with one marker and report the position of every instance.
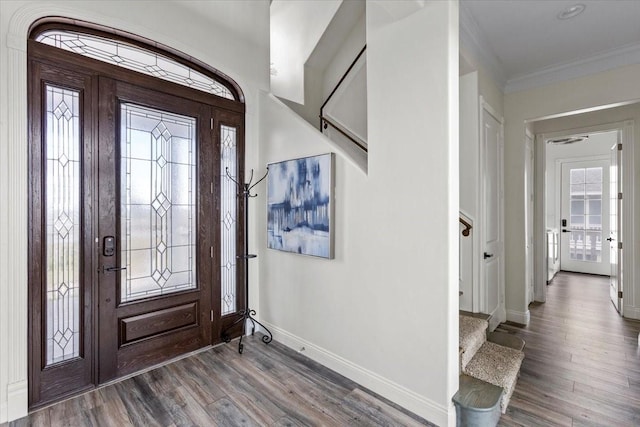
(109, 246)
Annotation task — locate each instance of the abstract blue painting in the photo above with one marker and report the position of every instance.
(300, 206)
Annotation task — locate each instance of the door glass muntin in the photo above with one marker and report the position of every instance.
(585, 214)
(63, 210)
(158, 203)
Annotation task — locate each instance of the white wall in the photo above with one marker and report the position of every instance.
(296, 27)
(384, 311)
(231, 36)
(345, 55)
(614, 86)
(469, 144)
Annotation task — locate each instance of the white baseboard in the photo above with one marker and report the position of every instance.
(631, 312)
(521, 317)
(404, 397)
(3, 412)
(17, 400)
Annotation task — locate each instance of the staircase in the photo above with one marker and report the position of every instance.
(489, 368)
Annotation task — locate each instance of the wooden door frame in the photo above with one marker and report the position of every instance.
(231, 112)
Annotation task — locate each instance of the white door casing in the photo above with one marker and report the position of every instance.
(492, 211)
(529, 187)
(585, 208)
(615, 223)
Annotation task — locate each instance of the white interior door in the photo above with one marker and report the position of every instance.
(492, 239)
(614, 223)
(585, 217)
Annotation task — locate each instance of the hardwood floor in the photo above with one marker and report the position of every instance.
(582, 360)
(268, 385)
(581, 368)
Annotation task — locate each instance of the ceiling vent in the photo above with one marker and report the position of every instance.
(567, 140)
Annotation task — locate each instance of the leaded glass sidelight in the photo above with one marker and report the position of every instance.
(63, 233)
(157, 202)
(228, 218)
(585, 243)
(134, 58)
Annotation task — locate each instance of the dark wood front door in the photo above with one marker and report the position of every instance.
(124, 206)
(155, 227)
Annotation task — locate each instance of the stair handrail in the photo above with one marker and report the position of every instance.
(467, 227)
(323, 119)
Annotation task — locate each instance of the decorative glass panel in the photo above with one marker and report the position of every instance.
(586, 214)
(134, 58)
(158, 202)
(63, 213)
(228, 217)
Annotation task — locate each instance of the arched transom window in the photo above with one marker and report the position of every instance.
(134, 58)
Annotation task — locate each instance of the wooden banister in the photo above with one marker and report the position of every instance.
(467, 226)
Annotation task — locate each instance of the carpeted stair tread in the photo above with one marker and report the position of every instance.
(497, 365)
(473, 333)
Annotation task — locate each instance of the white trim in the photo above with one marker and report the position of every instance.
(631, 312)
(521, 317)
(498, 314)
(486, 106)
(540, 255)
(474, 43)
(530, 156)
(630, 284)
(17, 395)
(404, 397)
(15, 236)
(608, 60)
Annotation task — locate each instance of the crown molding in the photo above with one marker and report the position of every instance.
(474, 44)
(604, 61)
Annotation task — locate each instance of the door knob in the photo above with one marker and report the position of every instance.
(486, 255)
(609, 239)
(566, 231)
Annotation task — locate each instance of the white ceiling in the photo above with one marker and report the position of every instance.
(524, 43)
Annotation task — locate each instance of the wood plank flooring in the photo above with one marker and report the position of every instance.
(582, 360)
(268, 385)
(582, 368)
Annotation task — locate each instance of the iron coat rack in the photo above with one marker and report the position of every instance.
(246, 314)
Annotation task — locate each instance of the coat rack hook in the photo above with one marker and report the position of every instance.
(245, 189)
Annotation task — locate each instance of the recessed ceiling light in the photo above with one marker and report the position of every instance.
(572, 11)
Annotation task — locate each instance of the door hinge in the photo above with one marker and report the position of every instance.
(619, 147)
(620, 294)
(619, 245)
(212, 188)
(211, 251)
(211, 123)
(212, 315)
(620, 196)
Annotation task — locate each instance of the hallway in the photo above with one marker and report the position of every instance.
(582, 360)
